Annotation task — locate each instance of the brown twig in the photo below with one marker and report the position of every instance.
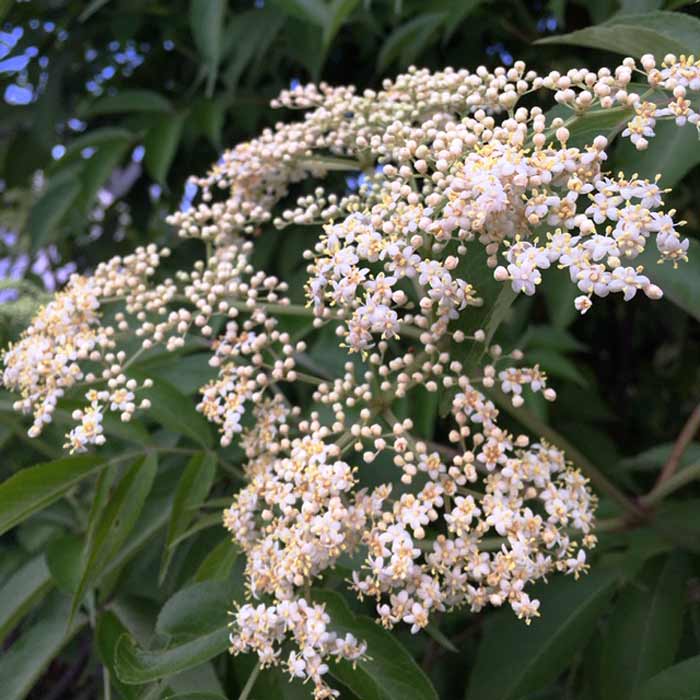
(691, 427)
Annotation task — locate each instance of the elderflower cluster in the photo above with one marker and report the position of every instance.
(263, 629)
(462, 176)
(508, 512)
(67, 346)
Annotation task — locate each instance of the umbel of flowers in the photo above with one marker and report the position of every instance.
(455, 167)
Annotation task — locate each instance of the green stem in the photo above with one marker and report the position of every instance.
(250, 682)
(106, 684)
(673, 483)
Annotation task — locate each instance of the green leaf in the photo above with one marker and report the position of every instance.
(389, 672)
(552, 338)
(645, 628)
(175, 411)
(188, 373)
(515, 659)
(583, 128)
(126, 101)
(424, 405)
(207, 23)
(49, 210)
(134, 665)
(219, 562)
(657, 33)
(640, 5)
(312, 11)
(161, 144)
(556, 364)
(559, 295)
(91, 139)
(112, 525)
(679, 682)
(673, 152)
(5, 8)
(108, 630)
(458, 12)
(330, 163)
(25, 661)
(199, 609)
(91, 9)
(655, 457)
(34, 488)
(21, 591)
(338, 12)
(63, 557)
(406, 42)
(191, 491)
(203, 522)
(682, 285)
(208, 116)
(98, 168)
(248, 37)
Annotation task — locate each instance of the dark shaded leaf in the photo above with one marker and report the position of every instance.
(389, 672)
(24, 662)
(219, 562)
(680, 285)
(191, 491)
(108, 630)
(338, 12)
(406, 42)
(161, 145)
(645, 628)
(515, 659)
(48, 212)
(679, 682)
(63, 557)
(128, 101)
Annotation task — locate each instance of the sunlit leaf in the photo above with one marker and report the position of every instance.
(113, 524)
(175, 411)
(28, 585)
(34, 488)
(657, 33)
(199, 609)
(134, 665)
(207, 23)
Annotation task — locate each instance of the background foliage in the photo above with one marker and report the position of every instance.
(108, 107)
